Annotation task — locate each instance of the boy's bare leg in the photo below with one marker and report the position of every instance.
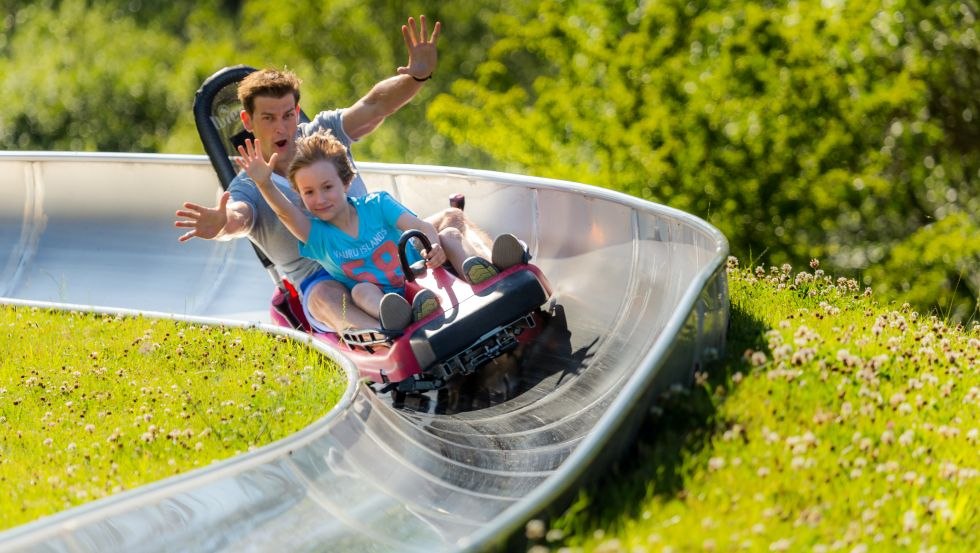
(368, 298)
(331, 303)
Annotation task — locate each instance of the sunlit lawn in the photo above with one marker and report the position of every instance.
(94, 404)
(835, 424)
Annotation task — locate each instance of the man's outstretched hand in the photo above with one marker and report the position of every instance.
(422, 55)
(203, 222)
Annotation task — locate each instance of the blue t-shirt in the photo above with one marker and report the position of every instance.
(371, 256)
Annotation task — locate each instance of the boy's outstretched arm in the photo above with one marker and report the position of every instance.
(389, 95)
(252, 162)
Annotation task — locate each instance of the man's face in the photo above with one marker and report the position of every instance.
(274, 122)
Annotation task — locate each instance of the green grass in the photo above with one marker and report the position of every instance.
(834, 424)
(94, 404)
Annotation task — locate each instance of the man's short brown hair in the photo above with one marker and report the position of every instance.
(267, 82)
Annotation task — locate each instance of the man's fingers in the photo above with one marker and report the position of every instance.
(407, 36)
(413, 32)
(183, 223)
(422, 33)
(435, 32)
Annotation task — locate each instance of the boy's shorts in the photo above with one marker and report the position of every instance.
(320, 275)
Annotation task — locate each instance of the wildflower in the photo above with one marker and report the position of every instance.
(780, 545)
(716, 463)
(896, 399)
(887, 437)
(803, 356)
(782, 352)
(845, 357)
(770, 437)
(732, 433)
(948, 431)
(948, 470)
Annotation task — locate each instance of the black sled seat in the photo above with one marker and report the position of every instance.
(474, 335)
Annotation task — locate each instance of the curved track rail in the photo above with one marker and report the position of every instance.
(641, 302)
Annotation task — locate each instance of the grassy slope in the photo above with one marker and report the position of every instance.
(834, 424)
(94, 404)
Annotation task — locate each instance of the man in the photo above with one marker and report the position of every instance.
(270, 110)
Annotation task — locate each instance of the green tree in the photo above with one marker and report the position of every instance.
(341, 48)
(808, 129)
(77, 79)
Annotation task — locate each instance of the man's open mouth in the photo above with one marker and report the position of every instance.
(281, 143)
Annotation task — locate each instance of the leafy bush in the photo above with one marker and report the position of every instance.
(810, 129)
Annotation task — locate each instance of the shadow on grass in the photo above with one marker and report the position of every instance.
(678, 427)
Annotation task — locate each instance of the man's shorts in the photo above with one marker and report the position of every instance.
(305, 287)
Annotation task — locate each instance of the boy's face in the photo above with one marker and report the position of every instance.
(274, 122)
(322, 191)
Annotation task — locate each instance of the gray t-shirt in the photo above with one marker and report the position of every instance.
(267, 231)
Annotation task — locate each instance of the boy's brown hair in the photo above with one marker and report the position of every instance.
(321, 146)
(267, 82)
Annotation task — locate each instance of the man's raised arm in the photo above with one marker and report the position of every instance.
(389, 95)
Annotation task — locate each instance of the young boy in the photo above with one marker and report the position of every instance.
(354, 238)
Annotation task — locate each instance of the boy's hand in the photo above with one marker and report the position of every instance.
(436, 256)
(254, 164)
(422, 54)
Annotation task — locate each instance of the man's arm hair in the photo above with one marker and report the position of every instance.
(239, 223)
(385, 98)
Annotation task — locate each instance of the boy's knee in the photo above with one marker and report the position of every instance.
(326, 298)
(326, 302)
(361, 291)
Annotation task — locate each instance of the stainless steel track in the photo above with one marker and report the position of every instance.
(641, 302)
